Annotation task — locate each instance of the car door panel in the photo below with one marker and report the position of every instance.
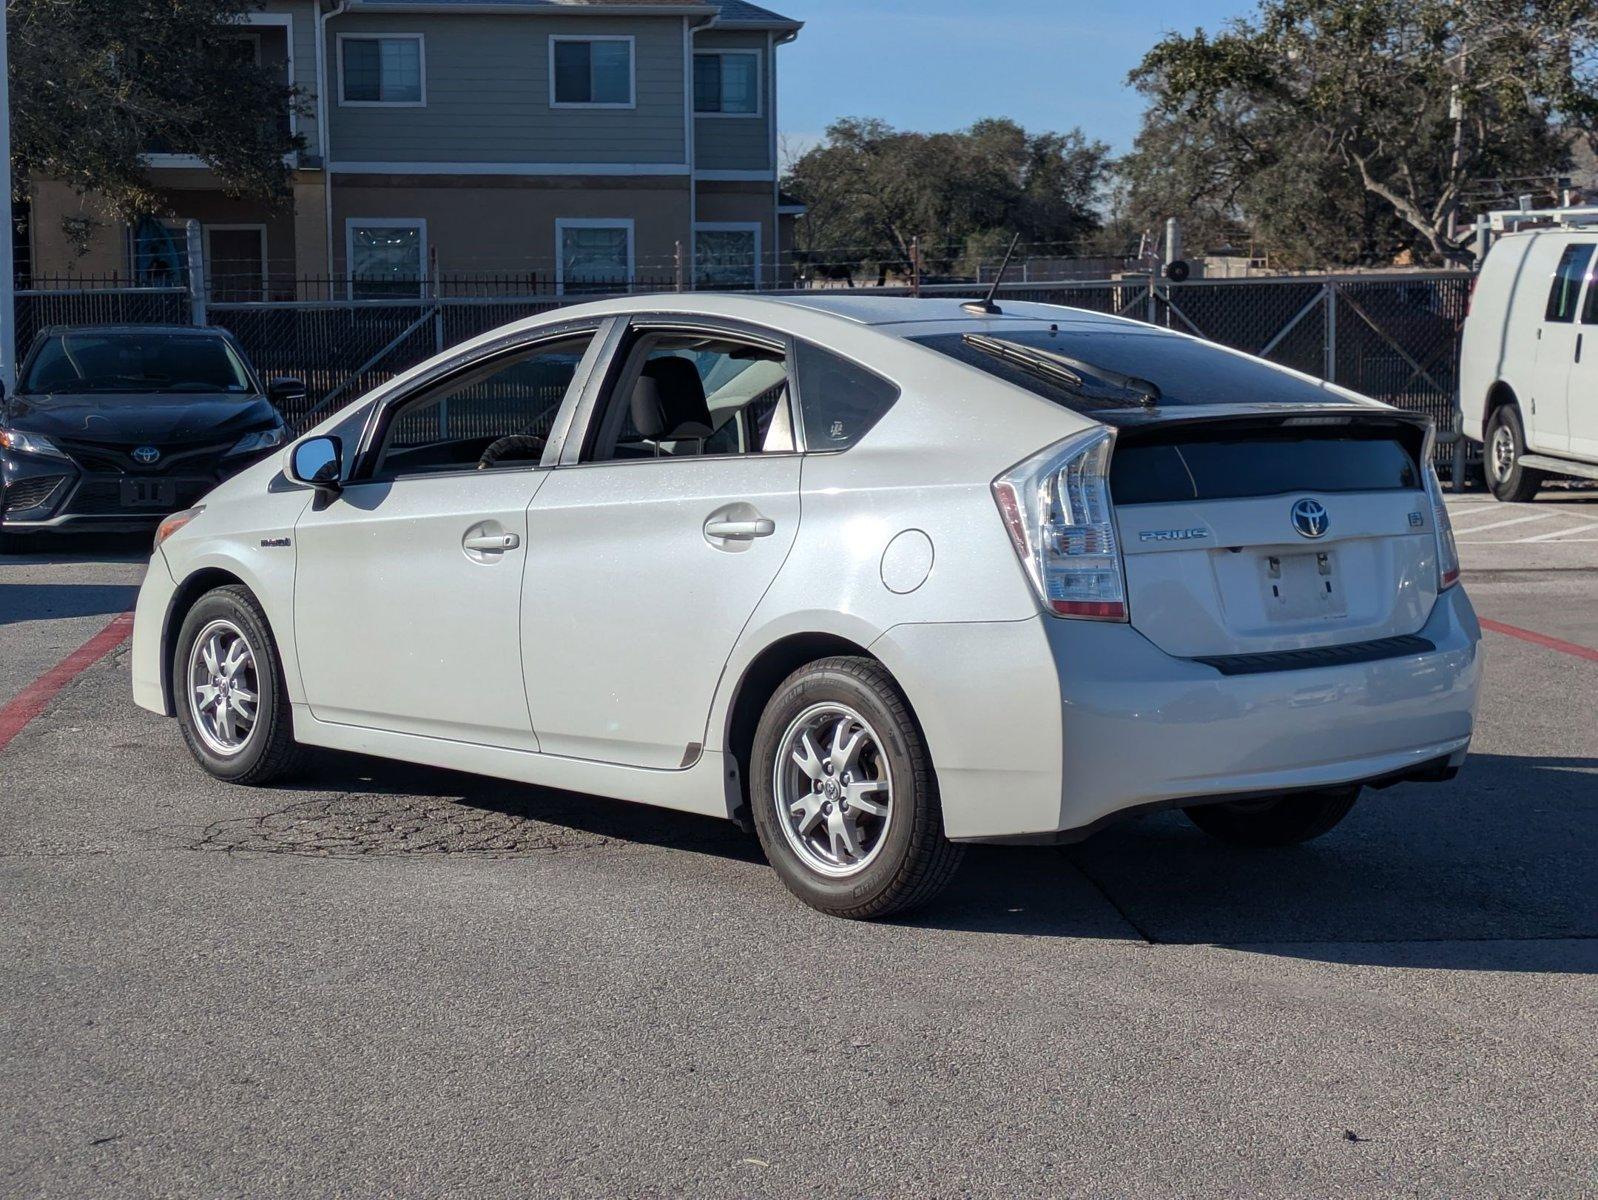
(632, 606)
(407, 606)
(1545, 417)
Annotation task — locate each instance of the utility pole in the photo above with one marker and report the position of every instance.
(8, 271)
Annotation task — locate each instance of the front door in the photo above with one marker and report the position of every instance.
(1547, 424)
(646, 558)
(407, 597)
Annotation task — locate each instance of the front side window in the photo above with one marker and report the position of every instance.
(1566, 285)
(595, 256)
(840, 400)
(380, 70)
(496, 415)
(594, 71)
(118, 363)
(687, 395)
(727, 83)
(727, 257)
(386, 259)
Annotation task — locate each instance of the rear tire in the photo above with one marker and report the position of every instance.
(1505, 446)
(227, 684)
(1279, 821)
(844, 796)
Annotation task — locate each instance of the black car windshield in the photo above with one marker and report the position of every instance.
(129, 363)
(1169, 371)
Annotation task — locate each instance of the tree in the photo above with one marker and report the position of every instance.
(872, 190)
(1361, 123)
(96, 84)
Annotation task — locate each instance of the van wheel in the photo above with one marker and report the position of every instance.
(1278, 821)
(228, 689)
(844, 796)
(1506, 446)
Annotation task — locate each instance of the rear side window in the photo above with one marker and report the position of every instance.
(840, 401)
(1231, 468)
(1566, 286)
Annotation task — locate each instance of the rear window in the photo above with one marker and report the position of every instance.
(1185, 372)
(1267, 463)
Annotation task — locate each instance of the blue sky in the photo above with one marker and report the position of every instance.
(941, 64)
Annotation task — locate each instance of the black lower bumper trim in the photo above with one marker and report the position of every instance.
(1323, 656)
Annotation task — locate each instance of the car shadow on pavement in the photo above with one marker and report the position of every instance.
(1497, 871)
(52, 601)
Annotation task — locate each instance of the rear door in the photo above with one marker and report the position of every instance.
(1243, 537)
(1581, 393)
(650, 546)
(1547, 421)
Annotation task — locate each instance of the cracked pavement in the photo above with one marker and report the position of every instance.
(382, 979)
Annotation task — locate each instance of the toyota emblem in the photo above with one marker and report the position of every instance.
(1309, 518)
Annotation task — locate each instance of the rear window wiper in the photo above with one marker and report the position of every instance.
(1070, 373)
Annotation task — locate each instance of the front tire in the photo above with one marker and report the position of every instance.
(844, 796)
(227, 681)
(1505, 446)
(1278, 821)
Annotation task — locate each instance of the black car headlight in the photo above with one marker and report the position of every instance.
(28, 443)
(261, 439)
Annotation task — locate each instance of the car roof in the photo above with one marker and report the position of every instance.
(134, 327)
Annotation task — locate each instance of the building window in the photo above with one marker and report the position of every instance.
(381, 70)
(386, 257)
(727, 255)
(727, 83)
(594, 72)
(593, 255)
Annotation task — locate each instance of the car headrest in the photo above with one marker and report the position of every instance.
(669, 401)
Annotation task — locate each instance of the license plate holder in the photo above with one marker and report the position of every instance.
(149, 493)
(1302, 587)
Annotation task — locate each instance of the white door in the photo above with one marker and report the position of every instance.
(1547, 425)
(1581, 394)
(646, 560)
(407, 598)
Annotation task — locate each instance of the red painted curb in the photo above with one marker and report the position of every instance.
(1526, 635)
(31, 700)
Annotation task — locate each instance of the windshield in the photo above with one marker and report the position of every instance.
(1129, 367)
(136, 363)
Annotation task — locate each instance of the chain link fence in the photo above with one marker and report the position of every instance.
(1394, 337)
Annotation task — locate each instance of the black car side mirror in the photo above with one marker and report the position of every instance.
(285, 390)
(318, 462)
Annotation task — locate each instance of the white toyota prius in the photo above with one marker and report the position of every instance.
(878, 577)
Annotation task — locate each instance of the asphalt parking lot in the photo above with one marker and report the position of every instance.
(385, 980)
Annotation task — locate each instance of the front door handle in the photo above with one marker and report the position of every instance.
(759, 527)
(491, 543)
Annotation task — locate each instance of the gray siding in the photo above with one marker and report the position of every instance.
(736, 143)
(487, 91)
(304, 43)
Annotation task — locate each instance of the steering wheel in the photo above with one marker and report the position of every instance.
(517, 447)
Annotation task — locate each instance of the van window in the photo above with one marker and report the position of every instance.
(1566, 287)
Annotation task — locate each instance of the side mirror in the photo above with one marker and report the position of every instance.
(285, 390)
(318, 462)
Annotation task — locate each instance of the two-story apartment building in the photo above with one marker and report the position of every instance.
(563, 143)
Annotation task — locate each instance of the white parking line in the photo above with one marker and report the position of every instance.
(1512, 521)
(1562, 533)
(1489, 511)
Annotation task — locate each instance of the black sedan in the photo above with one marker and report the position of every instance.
(113, 427)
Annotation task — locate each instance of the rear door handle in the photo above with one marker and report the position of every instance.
(491, 543)
(759, 527)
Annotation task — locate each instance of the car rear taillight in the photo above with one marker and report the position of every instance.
(1447, 552)
(1056, 506)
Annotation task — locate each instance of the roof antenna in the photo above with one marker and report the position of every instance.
(985, 307)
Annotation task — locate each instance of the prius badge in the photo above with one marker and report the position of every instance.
(1173, 535)
(1309, 518)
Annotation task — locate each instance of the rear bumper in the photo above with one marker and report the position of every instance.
(1093, 721)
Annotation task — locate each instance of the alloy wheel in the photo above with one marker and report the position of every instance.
(833, 790)
(224, 688)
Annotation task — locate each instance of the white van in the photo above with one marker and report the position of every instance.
(1528, 362)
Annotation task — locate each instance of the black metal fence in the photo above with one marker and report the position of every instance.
(1391, 336)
